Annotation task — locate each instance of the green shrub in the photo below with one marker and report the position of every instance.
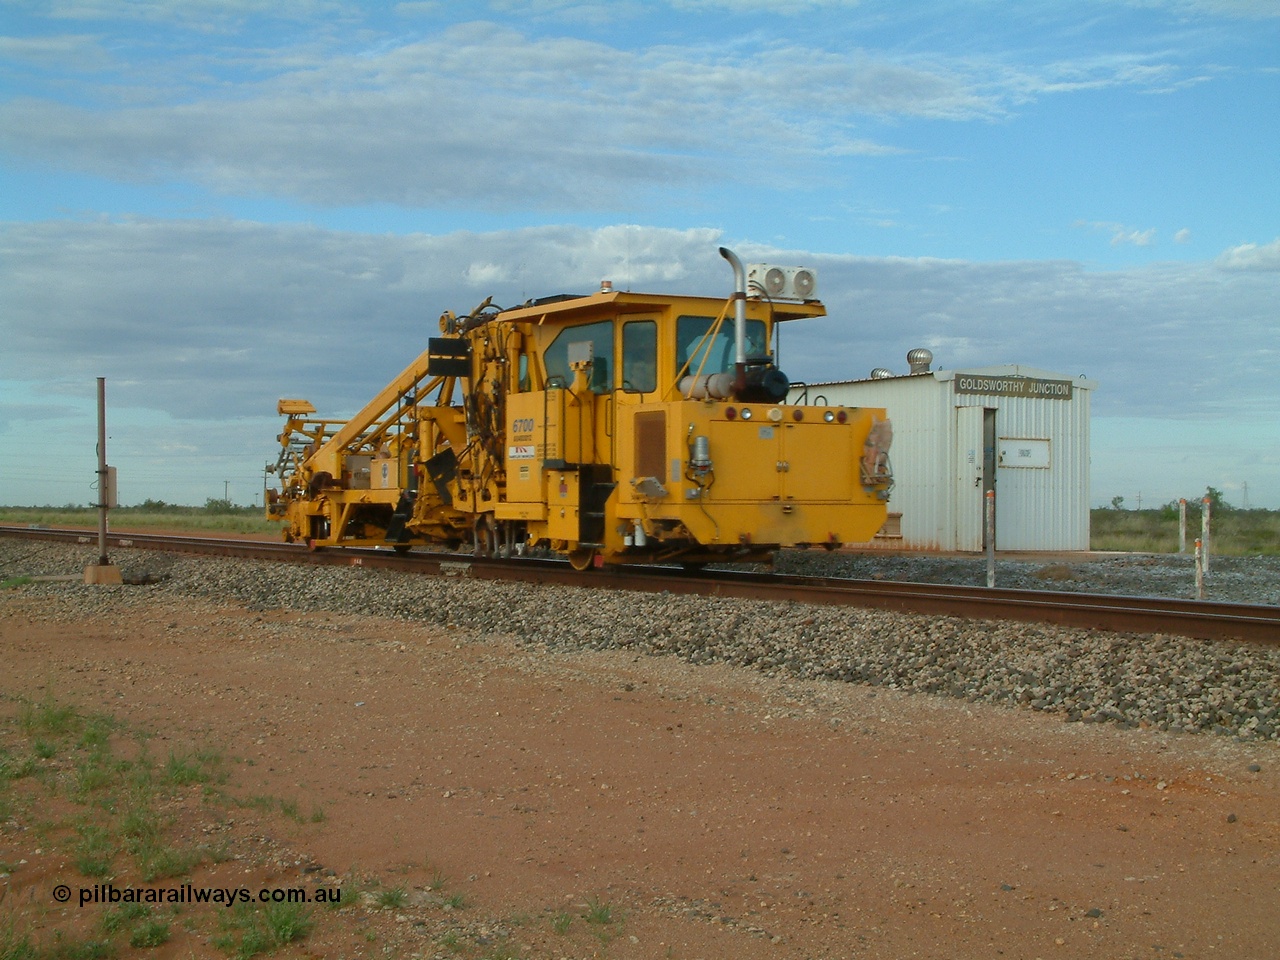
(1232, 532)
(150, 933)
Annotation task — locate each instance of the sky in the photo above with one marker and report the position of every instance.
(217, 203)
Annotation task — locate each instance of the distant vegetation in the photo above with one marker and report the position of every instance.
(1233, 532)
(216, 516)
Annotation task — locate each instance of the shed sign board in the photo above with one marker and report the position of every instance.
(1033, 387)
(1022, 452)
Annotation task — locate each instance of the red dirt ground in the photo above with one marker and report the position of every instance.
(712, 812)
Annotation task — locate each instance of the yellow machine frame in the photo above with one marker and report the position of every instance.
(610, 428)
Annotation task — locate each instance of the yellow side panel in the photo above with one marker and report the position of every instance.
(746, 456)
(821, 463)
(562, 505)
(525, 448)
(520, 511)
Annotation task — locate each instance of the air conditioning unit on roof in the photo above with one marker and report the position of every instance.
(781, 283)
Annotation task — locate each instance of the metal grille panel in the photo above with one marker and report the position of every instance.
(651, 444)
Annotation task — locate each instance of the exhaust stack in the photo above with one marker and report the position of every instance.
(739, 321)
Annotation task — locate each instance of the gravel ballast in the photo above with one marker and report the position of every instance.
(1230, 579)
(1149, 680)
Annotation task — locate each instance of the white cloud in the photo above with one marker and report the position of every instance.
(563, 124)
(1138, 238)
(779, 7)
(192, 316)
(1247, 9)
(417, 8)
(200, 326)
(197, 316)
(1252, 256)
(73, 52)
(203, 14)
(1121, 235)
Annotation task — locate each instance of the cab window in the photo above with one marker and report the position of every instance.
(714, 354)
(640, 356)
(600, 337)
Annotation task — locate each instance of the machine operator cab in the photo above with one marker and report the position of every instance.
(654, 353)
(658, 429)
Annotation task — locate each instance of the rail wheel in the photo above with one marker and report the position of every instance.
(582, 558)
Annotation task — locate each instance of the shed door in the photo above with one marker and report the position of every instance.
(975, 474)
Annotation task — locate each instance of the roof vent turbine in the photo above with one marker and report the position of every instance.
(919, 359)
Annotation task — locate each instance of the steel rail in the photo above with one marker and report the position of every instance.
(1201, 619)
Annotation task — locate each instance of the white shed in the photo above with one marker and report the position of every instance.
(1017, 430)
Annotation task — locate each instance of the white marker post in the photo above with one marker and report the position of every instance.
(1204, 530)
(1182, 525)
(991, 538)
(1199, 572)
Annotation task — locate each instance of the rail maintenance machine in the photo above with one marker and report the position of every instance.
(611, 428)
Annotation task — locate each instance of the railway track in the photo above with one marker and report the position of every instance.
(1191, 618)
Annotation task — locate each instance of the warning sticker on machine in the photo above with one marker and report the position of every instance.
(521, 452)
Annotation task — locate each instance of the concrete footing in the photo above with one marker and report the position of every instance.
(104, 574)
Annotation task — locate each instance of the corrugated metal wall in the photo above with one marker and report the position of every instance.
(1043, 508)
(923, 454)
(937, 460)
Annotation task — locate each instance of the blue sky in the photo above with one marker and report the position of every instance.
(214, 204)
